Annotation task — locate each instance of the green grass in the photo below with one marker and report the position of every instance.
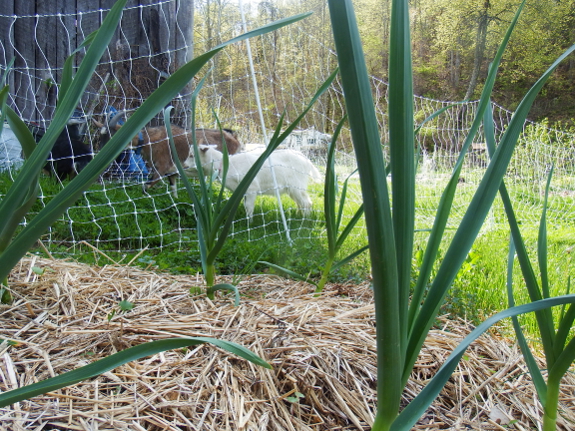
(167, 226)
(479, 289)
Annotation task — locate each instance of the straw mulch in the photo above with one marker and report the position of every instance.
(322, 348)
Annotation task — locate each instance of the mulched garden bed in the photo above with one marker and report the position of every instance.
(320, 347)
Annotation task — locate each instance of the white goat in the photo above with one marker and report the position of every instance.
(291, 168)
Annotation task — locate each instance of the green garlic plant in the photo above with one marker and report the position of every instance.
(23, 193)
(558, 347)
(215, 216)
(403, 320)
(334, 205)
(558, 342)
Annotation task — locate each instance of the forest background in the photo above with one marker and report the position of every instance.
(453, 42)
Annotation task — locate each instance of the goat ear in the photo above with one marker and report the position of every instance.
(204, 147)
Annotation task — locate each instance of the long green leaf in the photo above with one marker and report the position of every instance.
(330, 192)
(68, 69)
(542, 241)
(402, 153)
(12, 220)
(565, 325)
(11, 216)
(334, 219)
(349, 227)
(22, 132)
(28, 145)
(562, 364)
(203, 207)
(3, 97)
(349, 258)
(417, 407)
(544, 318)
(536, 375)
(342, 200)
(110, 362)
(567, 292)
(446, 201)
(217, 208)
(542, 258)
(448, 194)
(288, 272)
(25, 200)
(372, 173)
(225, 167)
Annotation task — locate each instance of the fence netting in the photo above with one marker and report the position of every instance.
(157, 37)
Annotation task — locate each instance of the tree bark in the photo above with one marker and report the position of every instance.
(480, 42)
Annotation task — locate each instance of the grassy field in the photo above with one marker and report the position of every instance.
(120, 221)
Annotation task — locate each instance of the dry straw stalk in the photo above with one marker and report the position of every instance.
(322, 347)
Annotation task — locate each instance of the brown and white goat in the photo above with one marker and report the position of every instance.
(156, 151)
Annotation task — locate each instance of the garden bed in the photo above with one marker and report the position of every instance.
(322, 350)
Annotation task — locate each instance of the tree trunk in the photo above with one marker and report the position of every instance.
(480, 42)
(455, 68)
(185, 52)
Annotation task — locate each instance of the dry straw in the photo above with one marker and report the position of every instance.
(322, 347)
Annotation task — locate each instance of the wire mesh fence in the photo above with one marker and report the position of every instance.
(156, 37)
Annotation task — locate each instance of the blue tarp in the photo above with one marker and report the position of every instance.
(129, 164)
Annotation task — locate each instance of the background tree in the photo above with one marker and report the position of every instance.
(453, 43)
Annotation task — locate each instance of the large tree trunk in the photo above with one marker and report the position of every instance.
(185, 52)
